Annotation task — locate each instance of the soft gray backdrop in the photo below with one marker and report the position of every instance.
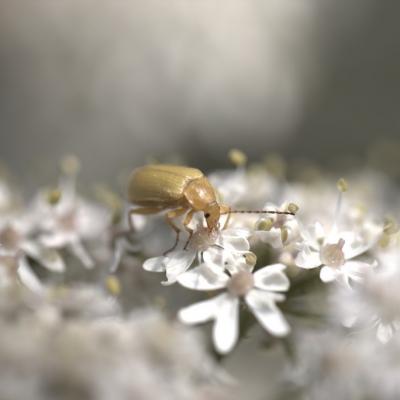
(120, 82)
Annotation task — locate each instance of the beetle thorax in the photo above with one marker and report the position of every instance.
(199, 193)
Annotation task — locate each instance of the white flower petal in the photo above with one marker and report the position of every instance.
(235, 243)
(47, 257)
(226, 326)
(329, 274)
(154, 264)
(356, 270)
(267, 313)
(81, 253)
(176, 263)
(200, 312)
(272, 278)
(28, 277)
(203, 278)
(308, 258)
(272, 237)
(384, 332)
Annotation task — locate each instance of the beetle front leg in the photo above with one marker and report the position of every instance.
(168, 218)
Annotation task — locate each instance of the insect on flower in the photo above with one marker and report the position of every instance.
(182, 191)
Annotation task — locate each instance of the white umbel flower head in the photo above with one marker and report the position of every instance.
(260, 290)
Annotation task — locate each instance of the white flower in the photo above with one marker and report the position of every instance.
(225, 249)
(259, 290)
(16, 246)
(335, 252)
(70, 222)
(373, 305)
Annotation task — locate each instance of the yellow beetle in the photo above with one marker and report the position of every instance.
(182, 190)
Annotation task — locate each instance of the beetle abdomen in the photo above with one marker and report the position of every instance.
(160, 183)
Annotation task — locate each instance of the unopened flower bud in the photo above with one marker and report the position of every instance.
(113, 285)
(293, 208)
(237, 157)
(342, 185)
(265, 224)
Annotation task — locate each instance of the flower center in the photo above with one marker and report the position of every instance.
(332, 254)
(68, 221)
(241, 283)
(202, 239)
(10, 238)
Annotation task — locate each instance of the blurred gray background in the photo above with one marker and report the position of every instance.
(121, 82)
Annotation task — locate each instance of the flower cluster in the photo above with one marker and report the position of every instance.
(341, 248)
(314, 272)
(57, 221)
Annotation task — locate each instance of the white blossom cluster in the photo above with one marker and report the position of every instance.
(339, 254)
(76, 344)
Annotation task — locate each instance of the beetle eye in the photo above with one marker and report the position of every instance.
(206, 215)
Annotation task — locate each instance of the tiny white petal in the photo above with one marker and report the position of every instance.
(154, 264)
(356, 270)
(384, 332)
(47, 257)
(177, 263)
(328, 274)
(203, 278)
(236, 243)
(308, 259)
(272, 278)
(27, 276)
(226, 326)
(272, 237)
(81, 253)
(199, 312)
(267, 313)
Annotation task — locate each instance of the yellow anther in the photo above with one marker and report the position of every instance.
(265, 224)
(113, 285)
(70, 165)
(384, 241)
(342, 185)
(54, 196)
(293, 208)
(237, 157)
(284, 235)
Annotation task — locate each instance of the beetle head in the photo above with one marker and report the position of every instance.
(211, 214)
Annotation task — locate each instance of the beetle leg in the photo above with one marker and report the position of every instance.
(186, 222)
(168, 218)
(225, 210)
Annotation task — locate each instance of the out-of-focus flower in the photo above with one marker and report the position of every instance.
(336, 366)
(260, 291)
(67, 349)
(222, 249)
(373, 305)
(69, 221)
(244, 188)
(16, 245)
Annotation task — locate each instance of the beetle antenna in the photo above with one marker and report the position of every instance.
(259, 212)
